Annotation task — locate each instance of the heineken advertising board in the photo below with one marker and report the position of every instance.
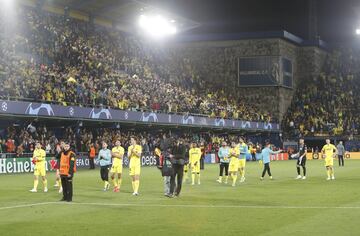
(24, 165)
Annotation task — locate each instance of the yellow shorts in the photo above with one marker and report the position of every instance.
(134, 167)
(195, 168)
(329, 161)
(234, 166)
(186, 167)
(116, 169)
(242, 163)
(39, 170)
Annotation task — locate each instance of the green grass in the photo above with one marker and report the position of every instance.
(272, 205)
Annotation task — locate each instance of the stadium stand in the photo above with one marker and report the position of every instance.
(327, 104)
(62, 60)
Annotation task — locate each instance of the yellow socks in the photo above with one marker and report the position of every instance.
(243, 173)
(328, 173)
(234, 177)
(136, 185)
(119, 182)
(36, 182)
(193, 178)
(198, 178)
(226, 179)
(106, 183)
(45, 183)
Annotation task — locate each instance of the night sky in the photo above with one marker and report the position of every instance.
(337, 19)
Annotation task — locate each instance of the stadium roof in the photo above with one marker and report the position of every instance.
(122, 13)
(336, 19)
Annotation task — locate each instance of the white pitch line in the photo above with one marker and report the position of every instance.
(25, 205)
(179, 206)
(208, 206)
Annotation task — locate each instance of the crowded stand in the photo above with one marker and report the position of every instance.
(56, 59)
(327, 104)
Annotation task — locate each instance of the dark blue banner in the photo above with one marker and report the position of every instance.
(74, 112)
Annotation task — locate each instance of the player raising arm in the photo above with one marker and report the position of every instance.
(265, 156)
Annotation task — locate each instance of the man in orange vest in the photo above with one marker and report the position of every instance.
(92, 154)
(67, 170)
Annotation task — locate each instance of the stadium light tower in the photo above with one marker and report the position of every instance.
(157, 26)
(357, 31)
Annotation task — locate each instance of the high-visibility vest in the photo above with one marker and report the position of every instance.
(92, 152)
(65, 163)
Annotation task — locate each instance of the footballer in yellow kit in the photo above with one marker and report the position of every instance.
(134, 155)
(117, 154)
(40, 167)
(234, 161)
(329, 152)
(194, 159)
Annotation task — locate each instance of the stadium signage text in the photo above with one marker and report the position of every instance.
(50, 110)
(24, 165)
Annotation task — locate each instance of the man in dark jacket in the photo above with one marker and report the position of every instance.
(178, 152)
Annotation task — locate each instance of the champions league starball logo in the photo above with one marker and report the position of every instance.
(267, 126)
(219, 122)
(4, 106)
(36, 111)
(103, 113)
(151, 117)
(186, 119)
(245, 124)
(71, 111)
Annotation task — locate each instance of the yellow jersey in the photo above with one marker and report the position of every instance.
(137, 148)
(234, 153)
(119, 150)
(40, 154)
(328, 149)
(194, 155)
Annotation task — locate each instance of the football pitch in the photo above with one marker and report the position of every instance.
(283, 206)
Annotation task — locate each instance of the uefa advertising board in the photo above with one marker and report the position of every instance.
(24, 165)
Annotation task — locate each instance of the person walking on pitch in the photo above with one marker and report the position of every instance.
(242, 158)
(265, 157)
(59, 150)
(67, 170)
(104, 160)
(341, 152)
(194, 159)
(134, 155)
(224, 154)
(234, 162)
(39, 161)
(117, 154)
(301, 162)
(329, 152)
